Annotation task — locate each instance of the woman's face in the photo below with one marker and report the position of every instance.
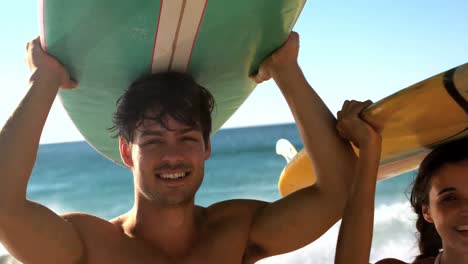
(448, 205)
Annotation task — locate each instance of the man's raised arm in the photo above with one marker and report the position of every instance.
(305, 215)
(32, 232)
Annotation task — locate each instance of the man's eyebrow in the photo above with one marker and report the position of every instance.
(449, 189)
(151, 133)
(161, 133)
(188, 130)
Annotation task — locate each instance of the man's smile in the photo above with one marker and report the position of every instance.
(172, 175)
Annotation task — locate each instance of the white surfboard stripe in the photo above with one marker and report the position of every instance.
(177, 31)
(191, 20)
(169, 14)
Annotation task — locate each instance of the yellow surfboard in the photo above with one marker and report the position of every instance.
(413, 121)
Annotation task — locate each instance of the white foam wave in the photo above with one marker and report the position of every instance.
(320, 251)
(3, 251)
(394, 232)
(393, 238)
(400, 212)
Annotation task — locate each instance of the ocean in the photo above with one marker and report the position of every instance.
(70, 177)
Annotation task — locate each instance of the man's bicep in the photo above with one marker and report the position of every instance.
(35, 234)
(294, 221)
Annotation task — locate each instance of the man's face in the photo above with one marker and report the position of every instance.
(168, 164)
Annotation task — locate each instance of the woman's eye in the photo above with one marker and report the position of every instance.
(449, 198)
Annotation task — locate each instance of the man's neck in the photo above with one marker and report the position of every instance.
(173, 230)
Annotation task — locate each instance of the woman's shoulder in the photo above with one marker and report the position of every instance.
(390, 261)
(397, 261)
(429, 260)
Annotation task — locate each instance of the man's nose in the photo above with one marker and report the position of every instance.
(172, 153)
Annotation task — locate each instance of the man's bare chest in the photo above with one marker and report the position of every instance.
(225, 253)
(220, 245)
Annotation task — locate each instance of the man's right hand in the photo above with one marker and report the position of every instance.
(45, 67)
(283, 58)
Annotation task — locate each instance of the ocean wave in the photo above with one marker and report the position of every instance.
(3, 251)
(49, 187)
(393, 238)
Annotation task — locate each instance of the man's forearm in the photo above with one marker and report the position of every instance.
(19, 138)
(332, 156)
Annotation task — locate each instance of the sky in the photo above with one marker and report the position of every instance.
(349, 50)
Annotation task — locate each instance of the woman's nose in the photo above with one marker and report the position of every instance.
(464, 207)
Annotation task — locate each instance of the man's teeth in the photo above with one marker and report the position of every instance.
(462, 228)
(173, 176)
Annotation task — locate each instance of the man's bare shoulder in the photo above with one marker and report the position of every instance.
(81, 217)
(90, 223)
(235, 208)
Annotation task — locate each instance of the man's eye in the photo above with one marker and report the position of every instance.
(190, 139)
(153, 142)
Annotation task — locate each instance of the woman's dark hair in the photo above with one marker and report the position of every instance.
(162, 95)
(453, 152)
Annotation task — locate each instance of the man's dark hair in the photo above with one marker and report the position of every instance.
(160, 96)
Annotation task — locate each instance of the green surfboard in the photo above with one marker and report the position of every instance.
(107, 44)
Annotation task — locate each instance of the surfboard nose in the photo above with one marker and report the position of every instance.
(286, 149)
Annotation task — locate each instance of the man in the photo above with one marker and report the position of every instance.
(166, 151)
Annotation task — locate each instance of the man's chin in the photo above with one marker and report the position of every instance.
(175, 201)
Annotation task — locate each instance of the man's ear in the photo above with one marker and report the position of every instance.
(208, 149)
(125, 152)
(427, 214)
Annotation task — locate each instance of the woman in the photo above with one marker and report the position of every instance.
(439, 197)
